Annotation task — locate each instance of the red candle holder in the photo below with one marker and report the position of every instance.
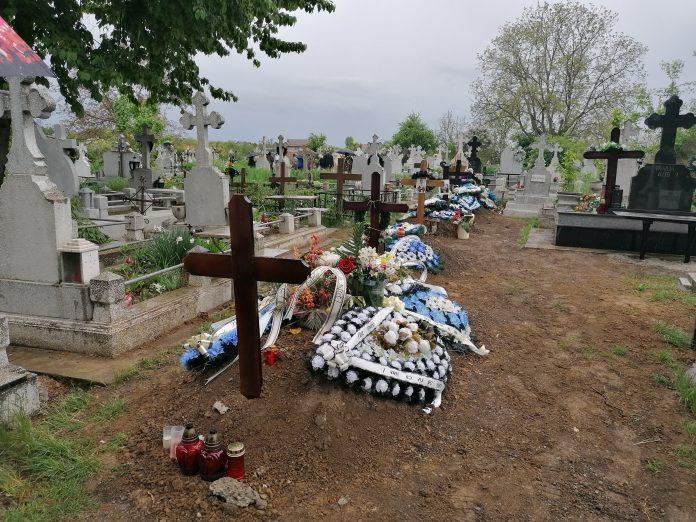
(235, 460)
(188, 451)
(213, 458)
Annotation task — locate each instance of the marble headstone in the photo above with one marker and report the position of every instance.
(57, 150)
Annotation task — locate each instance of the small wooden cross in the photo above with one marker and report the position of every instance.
(341, 176)
(147, 141)
(282, 179)
(246, 270)
(422, 185)
(612, 156)
(379, 211)
(241, 184)
(670, 122)
(458, 175)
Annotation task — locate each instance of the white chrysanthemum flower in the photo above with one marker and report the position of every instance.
(318, 362)
(351, 376)
(420, 365)
(396, 389)
(333, 372)
(411, 346)
(424, 346)
(383, 361)
(336, 330)
(409, 391)
(396, 364)
(405, 333)
(328, 258)
(413, 327)
(327, 337)
(408, 365)
(382, 386)
(421, 395)
(367, 384)
(366, 356)
(351, 329)
(390, 337)
(430, 364)
(345, 337)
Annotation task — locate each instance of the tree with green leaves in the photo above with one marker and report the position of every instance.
(350, 143)
(559, 69)
(316, 141)
(99, 45)
(414, 131)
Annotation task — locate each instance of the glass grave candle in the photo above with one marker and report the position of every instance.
(213, 458)
(188, 451)
(235, 460)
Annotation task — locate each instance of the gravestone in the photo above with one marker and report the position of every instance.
(57, 150)
(143, 176)
(19, 392)
(207, 189)
(555, 168)
(392, 163)
(359, 164)
(664, 185)
(372, 164)
(166, 161)
(627, 168)
(511, 160)
(83, 168)
(117, 160)
(281, 151)
(262, 160)
(415, 156)
(536, 191)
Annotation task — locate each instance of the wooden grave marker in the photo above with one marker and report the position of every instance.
(245, 269)
(421, 185)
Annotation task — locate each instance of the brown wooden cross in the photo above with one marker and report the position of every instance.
(282, 179)
(458, 175)
(246, 270)
(670, 121)
(341, 176)
(422, 184)
(612, 156)
(379, 211)
(241, 184)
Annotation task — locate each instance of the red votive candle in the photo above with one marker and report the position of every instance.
(188, 451)
(270, 356)
(235, 460)
(213, 457)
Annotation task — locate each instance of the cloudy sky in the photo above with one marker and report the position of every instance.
(371, 62)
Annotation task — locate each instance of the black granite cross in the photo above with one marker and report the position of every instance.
(379, 210)
(670, 121)
(474, 160)
(612, 156)
(246, 270)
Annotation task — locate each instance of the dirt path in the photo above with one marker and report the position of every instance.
(545, 427)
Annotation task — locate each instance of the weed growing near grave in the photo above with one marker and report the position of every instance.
(93, 234)
(524, 234)
(619, 350)
(126, 374)
(672, 335)
(654, 466)
(666, 358)
(686, 390)
(661, 288)
(109, 411)
(662, 380)
(117, 184)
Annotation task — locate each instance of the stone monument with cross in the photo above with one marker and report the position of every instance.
(359, 162)
(281, 158)
(415, 156)
(60, 153)
(246, 270)
(262, 159)
(373, 164)
(392, 163)
(207, 189)
(143, 174)
(665, 186)
(83, 168)
(474, 161)
(555, 168)
(535, 194)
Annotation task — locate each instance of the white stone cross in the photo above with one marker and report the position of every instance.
(147, 141)
(374, 146)
(541, 146)
(281, 145)
(264, 146)
(201, 120)
(25, 102)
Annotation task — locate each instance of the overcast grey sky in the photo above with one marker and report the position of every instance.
(371, 62)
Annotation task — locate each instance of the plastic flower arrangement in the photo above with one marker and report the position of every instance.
(413, 251)
(587, 203)
(610, 145)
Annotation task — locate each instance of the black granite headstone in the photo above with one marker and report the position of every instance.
(662, 187)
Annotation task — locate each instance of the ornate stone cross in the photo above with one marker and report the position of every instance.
(670, 121)
(246, 270)
(25, 102)
(541, 146)
(201, 120)
(147, 141)
(379, 211)
(612, 156)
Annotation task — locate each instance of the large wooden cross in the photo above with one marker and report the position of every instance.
(670, 121)
(246, 270)
(341, 176)
(422, 185)
(282, 179)
(612, 156)
(241, 184)
(379, 210)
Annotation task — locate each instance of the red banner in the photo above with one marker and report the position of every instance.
(17, 58)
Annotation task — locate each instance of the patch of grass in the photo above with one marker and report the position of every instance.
(686, 390)
(524, 234)
(589, 351)
(126, 374)
(673, 335)
(63, 416)
(116, 443)
(619, 350)
(153, 363)
(661, 380)
(666, 358)
(109, 411)
(661, 288)
(654, 466)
